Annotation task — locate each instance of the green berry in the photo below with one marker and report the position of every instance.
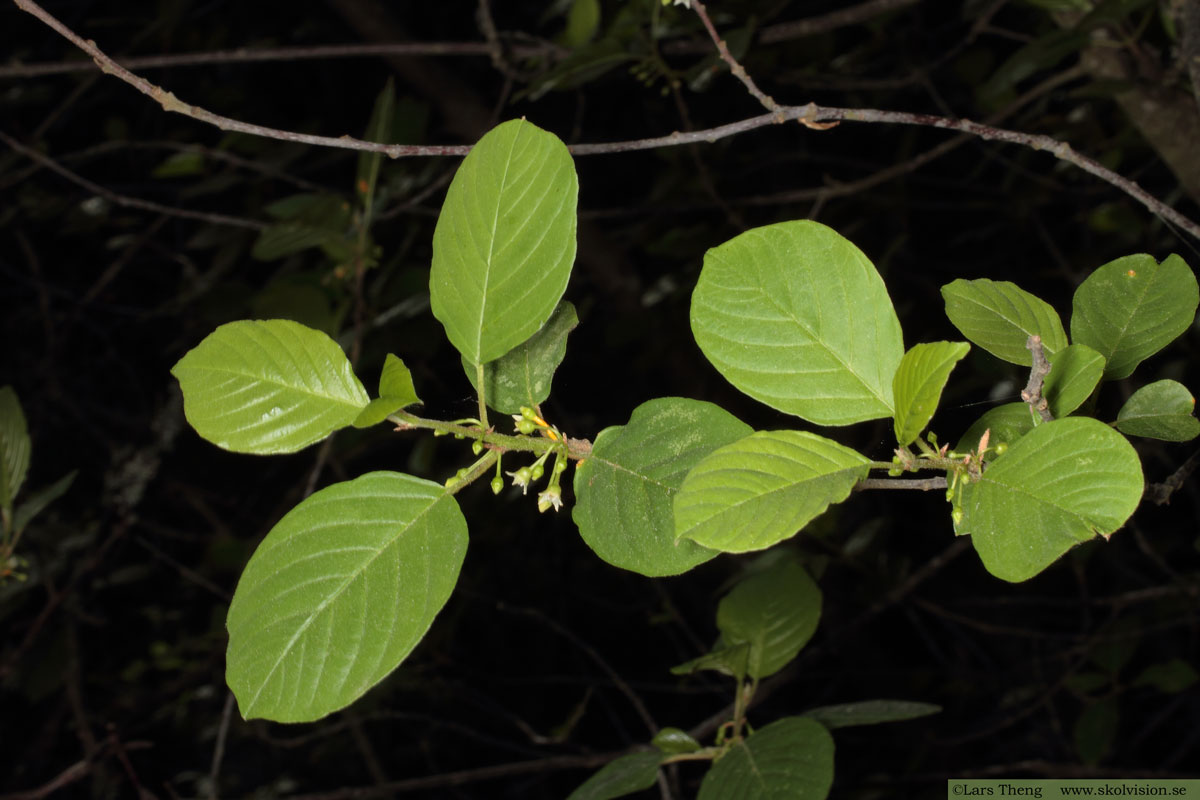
(526, 426)
(497, 485)
(536, 471)
(477, 447)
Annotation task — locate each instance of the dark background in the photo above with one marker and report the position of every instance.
(112, 650)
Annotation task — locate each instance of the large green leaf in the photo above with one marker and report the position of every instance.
(999, 316)
(268, 386)
(790, 759)
(339, 593)
(505, 241)
(1129, 309)
(1058, 485)
(1162, 410)
(775, 612)
(762, 489)
(870, 712)
(624, 490)
(522, 376)
(1074, 373)
(14, 447)
(917, 386)
(625, 775)
(795, 316)
(1007, 423)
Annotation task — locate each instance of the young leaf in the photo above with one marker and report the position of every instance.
(763, 489)
(505, 241)
(621, 776)
(1074, 373)
(788, 759)
(522, 376)
(14, 447)
(625, 488)
(999, 316)
(775, 612)
(870, 712)
(1096, 728)
(396, 391)
(1129, 309)
(673, 741)
(795, 316)
(732, 660)
(268, 386)
(1161, 410)
(339, 593)
(1058, 485)
(1007, 423)
(918, 383)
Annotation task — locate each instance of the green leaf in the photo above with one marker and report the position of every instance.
(673, 741)
(1075, 372)
(268, 386)
(583, 20)
(1129, 309)
(306, 221)
(14, 447)
(624, 489)
(763, 489)
(1172, 676)
(790, 759)
(621, 776)
(522, 376)
(732, 661)
(396, 391)
(379, 129)
(1096, 729)
(1161, 410)
(339, 593)
(918, 383)
(1000, 317)
(1007, 423)
(775, 612)
(180, 165)
(795, 316)
(37, 502)
(505, 241)
(870, 712)
(1058, 485)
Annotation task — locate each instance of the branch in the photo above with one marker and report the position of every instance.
(737, 69)
(1032, 393)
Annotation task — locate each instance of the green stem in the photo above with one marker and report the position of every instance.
(483, 419)
(474, 472)
(576, 448)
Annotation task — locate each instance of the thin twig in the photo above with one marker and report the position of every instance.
(919, 484)
(1032, 393)
(214, 772)
(736, 68)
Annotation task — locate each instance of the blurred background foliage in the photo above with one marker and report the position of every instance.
(127, 233)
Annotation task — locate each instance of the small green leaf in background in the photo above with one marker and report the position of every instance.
(180, 165)
(339, 593)
(763, 489)
(268, 386)
(795, 316)
(1007, 423)
(624, 489)
(1161, 410)
(14, 447)
(870, 712)
(790, 759)
(583, 20)
(775, 612)
(730, 660)
(306, 221)
(999, 316)
(1172, 677)
(504, 243)
(1130, 308)
(621, 776)
(33, 505)
(522, 376)
(396, 391)
(673, 741)
(1075, 372)
(1058, 485)
(379, 129)
(1096, 729)
(917, 386)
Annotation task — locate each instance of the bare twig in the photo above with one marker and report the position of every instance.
(214, 772)
(1160, 493)
(783, 31)
(1032, 393)
(919, 484)
(737, 69)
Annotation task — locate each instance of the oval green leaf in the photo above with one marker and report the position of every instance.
(775, 612)
(999, 316)
(522, 376)
(1129, 309)
(1074, 373)
(870, 712)
(339, 593)
(1007, 423)
(790, 759)
(763, 489)
(268, 386)
(918, 383)
(1162, 410)
(396, 391)
(14, 447)
(673, 741)
(505, 241)
(624, 489)
(1057, 486)
(621, 776)
(795, 316)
